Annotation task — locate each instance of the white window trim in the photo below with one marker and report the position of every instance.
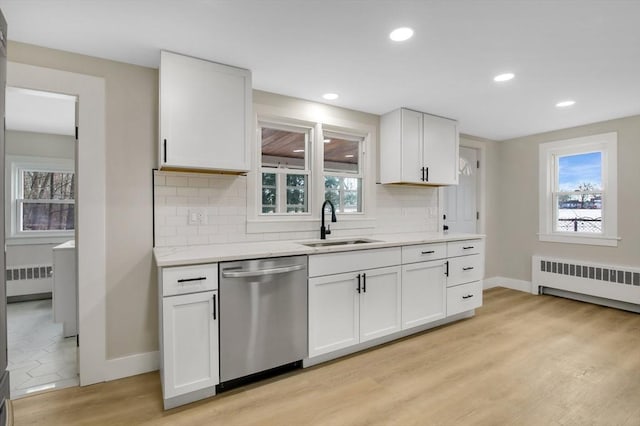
(281, 173)
(14, 165)
(318, 118)
(608, 144)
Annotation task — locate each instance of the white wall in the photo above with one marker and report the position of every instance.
(516, 219)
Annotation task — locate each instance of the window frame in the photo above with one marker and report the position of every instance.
(316, 116)
(282, 172)
(548, 189)
(360, 139)
(16, 166)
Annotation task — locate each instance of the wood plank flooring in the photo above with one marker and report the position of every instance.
(522, 360)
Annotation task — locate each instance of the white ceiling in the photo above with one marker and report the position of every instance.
(585, 50)
(40, 112)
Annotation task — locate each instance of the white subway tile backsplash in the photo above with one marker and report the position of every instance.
(177, 181)
(224, 198)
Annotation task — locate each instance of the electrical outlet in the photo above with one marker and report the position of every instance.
(197, 216)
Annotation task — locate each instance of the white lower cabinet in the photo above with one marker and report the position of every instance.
(189, 334)
(423, 293)
(353, 307)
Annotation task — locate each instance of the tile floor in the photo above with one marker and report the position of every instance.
(40, 358)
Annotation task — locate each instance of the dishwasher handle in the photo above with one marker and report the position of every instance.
(260, 272)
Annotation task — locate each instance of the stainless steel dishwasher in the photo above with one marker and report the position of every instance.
(263, 315)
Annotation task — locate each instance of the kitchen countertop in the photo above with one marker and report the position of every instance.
(192, 255)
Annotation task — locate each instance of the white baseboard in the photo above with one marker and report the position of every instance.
(25, 287)
(132, 365)
(511, 283)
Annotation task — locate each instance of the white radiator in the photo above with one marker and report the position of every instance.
(611, 282)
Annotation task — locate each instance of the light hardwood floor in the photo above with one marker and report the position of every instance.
(522, 360)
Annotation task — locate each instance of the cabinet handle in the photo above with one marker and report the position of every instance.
(428, 252)
(364, 283)
(422, 169)
(165, 150)
(446, 272)
(214, 307)
(467, 247)
(358, 283)
(468, 296)
(427, 173)
(467, 268)
(186, 280)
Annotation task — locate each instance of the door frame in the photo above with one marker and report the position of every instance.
(91, 204)
(480, 189)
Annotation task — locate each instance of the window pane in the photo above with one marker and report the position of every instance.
(581, 172)
(283, 148)
(580, 212)
(47, 216)
(344, 193)
(269, 193)
(341, 155)
(296, 193)
(47, 185)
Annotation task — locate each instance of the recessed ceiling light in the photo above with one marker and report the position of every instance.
(327, 141)
(348, 156)
(504, 77)
(330, 96)
(565, 104)
(401, 34)
(298, 150)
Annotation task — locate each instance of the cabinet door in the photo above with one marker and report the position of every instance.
(190, 342)
(423, 293)
(440, 155)
(380, 303)
(333, 313)
(204, 114)
(411, 146)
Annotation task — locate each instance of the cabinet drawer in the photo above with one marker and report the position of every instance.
(465, 269)
(463, 248)
(423, 252)
(349, 261)
(189, 279)
(464, 297)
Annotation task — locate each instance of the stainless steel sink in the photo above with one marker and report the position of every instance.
(339, 242)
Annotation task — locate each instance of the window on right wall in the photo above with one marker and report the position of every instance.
(578, 190)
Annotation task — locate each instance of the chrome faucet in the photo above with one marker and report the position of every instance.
(326, 231)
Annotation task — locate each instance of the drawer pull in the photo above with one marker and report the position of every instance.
(186, 280)
(428, 252)
(467, 247)
(467, 268)
(468, 296)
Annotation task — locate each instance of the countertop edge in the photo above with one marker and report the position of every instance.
(214, 253)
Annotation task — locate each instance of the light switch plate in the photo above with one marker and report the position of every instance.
(197, 216)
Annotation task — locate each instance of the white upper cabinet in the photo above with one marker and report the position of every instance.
(205, 115)
(418, 148)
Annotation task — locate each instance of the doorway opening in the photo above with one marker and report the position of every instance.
(40, 227)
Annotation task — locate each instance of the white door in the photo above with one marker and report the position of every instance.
(380, 302)
(333, 313)
(460, 201)
(423, 293)
(190, 334)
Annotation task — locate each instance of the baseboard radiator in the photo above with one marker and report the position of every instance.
(610, 285)
(25, 280)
